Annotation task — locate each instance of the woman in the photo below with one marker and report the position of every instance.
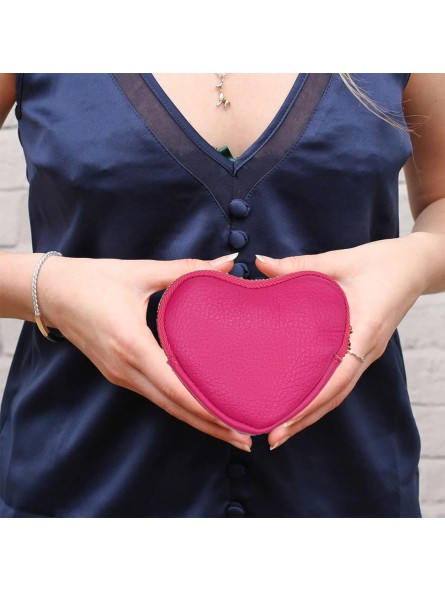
(137, 179)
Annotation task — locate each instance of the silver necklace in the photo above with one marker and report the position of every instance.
(222, 99)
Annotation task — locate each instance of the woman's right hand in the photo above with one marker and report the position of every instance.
(100, 305)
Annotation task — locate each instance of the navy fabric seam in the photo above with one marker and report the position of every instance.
(230, 460)
(294, 145)
(196, 140)
(172, 156)
(392, 437)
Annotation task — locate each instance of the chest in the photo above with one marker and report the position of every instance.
(254, 99)
(117, 134)
(116, 171)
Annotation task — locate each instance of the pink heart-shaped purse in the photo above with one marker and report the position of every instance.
(254, 353)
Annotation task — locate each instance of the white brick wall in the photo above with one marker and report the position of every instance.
(423, 339)
(14, 225)
(422, 330)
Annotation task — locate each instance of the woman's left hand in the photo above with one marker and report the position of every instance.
(382, 280)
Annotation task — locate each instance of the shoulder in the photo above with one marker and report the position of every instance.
(424, 88)
(424, 109)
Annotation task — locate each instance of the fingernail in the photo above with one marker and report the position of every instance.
(279, 442)
(240, 445)
(221, 423)
(224, 259)
(264, 259)
(293, 421)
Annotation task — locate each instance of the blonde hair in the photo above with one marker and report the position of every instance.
(385, 114)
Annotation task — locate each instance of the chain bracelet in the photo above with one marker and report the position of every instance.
(38, 319)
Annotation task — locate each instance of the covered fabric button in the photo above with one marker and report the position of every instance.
(236, 470)
(239, 208)
(240, 270)
(235, 510)
(238, 239)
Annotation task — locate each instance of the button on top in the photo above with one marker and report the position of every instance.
(239, 208)
(235, 510)
(236, 470)
(240, 270)
(238, 239)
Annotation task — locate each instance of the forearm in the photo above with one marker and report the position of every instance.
(16, 271)
(429, 234)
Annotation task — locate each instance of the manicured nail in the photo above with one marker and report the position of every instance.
(240, 445)
(225, 425)
(293, 421)
(224, 259)
(264, 259)
(279, 442)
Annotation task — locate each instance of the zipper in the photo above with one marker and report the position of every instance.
(162, 297)
(349, 340)
(256, 279)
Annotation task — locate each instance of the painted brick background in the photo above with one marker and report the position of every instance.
(422, 330)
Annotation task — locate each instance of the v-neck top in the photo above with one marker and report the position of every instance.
(225, 151)
(265, 137)
(116, 171)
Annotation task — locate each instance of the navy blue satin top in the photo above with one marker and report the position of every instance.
(116, 171)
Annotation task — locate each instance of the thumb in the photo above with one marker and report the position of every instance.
(271, 267)
(165, 272)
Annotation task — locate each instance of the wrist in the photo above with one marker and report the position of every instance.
(47, 284)
(427, 259)
(40, 321)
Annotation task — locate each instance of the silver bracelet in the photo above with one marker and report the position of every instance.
(39, 320)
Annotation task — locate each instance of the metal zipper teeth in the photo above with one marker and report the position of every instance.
(260, 279)
(162, 297)
(167, 288)
(255, 279)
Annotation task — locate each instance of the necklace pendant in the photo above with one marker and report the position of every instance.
(221, 99)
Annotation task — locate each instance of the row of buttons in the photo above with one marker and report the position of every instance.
(239, 208)
(238, 238)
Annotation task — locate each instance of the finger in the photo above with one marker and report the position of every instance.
(150, 361)
(328, 263)
(144, 354)
(349, 369)
(143, 386)
(281, 434)
(314, 412)
(345, 373)
(163, 273)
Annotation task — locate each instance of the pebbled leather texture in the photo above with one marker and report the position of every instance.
(254, 353)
